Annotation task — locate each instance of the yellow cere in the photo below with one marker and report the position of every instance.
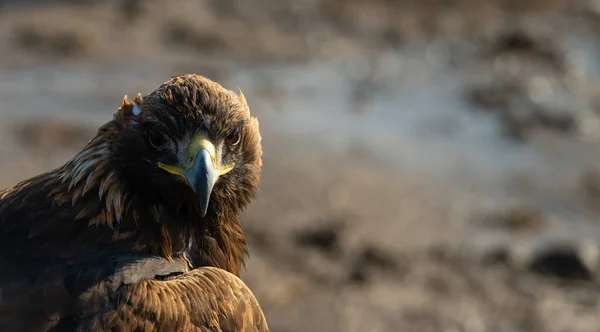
(226, 169)
(197, 143)
(172, 169)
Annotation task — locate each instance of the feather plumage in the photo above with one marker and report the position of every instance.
(110, 242)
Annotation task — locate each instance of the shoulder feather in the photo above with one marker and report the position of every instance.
(204, 299)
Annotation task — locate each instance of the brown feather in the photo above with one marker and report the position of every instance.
(166, 246)
(54, 226)
(205, 299)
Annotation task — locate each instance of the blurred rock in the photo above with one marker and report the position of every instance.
(132, 10)
(520, 117)
(522, 41)
(325, 238)
(590, 185)
(561, 261)
(496, 255)
(178, 33)
(67, 43)
(516, 219)
(371, 260)
(52, 134)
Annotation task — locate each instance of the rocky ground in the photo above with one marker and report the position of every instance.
(482, 218)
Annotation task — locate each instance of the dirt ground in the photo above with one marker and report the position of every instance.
(343, 239)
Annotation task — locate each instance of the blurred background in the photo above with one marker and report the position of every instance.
(429, 165)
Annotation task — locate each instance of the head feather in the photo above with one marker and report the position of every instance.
(243, 101)
(94, 181)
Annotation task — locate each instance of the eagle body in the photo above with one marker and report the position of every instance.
(140, 231)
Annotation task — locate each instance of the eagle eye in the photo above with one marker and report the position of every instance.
(156, 139)
(234, 137)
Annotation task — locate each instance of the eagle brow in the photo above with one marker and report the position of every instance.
(240, 125)
(162, 122)
(172, 120)
(235, 128)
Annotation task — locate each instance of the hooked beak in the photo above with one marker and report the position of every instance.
(201, 178)
(202, 170)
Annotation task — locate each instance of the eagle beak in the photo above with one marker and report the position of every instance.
(202, 169)
(202, 177)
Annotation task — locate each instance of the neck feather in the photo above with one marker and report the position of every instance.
(89, 184)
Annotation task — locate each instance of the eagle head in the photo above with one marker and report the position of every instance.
(190, 143)
(170, 174)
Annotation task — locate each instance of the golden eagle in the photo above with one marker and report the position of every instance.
(140, 231)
